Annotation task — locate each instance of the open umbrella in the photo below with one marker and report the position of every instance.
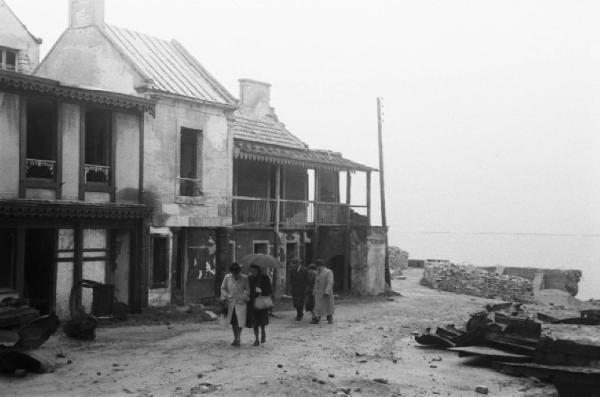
(267, 263)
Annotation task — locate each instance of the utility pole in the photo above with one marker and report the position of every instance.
(388, 278)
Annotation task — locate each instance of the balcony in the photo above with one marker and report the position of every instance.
(291, 213)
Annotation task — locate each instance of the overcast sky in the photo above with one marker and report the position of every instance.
(492, 108)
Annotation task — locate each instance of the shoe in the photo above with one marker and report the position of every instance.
(256, 343)
(235, 343)
(298, 318)
(263, 339)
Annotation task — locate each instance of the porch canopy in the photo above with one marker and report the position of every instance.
(300, 157)
(43, 209)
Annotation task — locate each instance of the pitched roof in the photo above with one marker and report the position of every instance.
(302, 157)
(36, 39)
(265, 130)
(168, 66)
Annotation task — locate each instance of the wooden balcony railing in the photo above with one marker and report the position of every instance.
(292, 213)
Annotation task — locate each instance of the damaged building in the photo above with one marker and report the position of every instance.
(155, 178)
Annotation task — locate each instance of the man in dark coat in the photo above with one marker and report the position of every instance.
(299, 281)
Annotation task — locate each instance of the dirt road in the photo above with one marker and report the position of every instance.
(369, 340)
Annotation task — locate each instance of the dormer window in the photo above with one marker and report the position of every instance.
(8, 59)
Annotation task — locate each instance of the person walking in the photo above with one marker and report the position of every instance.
(235, 289)
(309, 305)
(323, 293)
(260, 285)
(299, 282)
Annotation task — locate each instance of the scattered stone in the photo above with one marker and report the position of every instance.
(98, 373)
(345, 390)
(381, 380)
(115, 365)
(69, 361)
(438, 358)
(331, 375)
(200, 376)
(61, 354)
(395, 360)
(481, 390)
(279, 365)
(433, 366)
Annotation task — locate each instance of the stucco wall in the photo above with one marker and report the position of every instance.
(9, 143)
(367, 260)
(70, 153)
(127, 157)
(161, 165)
(14, 35)
(85, 57)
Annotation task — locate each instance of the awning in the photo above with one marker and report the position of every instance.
(306, 158)
(13, 81)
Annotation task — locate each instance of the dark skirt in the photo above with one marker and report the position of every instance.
(310, 303)
(234, 319)
(256, 317)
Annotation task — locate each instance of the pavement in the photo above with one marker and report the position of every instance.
(368, 351)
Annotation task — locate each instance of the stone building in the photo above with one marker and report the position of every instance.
(157, 178)
(70, 202)
(187, 147)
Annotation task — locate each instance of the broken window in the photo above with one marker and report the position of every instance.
(98, 140)
(41, 121)
(189, 182)
(8, 59)
(160, 261)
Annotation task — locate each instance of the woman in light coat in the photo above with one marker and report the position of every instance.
(323, 292)
(236, 290)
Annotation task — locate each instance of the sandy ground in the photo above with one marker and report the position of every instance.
(370, 339)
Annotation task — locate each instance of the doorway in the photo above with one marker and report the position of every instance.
(40, 249)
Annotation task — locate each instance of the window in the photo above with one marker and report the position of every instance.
(40, 161)
(160, 261)
(98, 141)
(189, 183)
(261, 247)
(8, 59)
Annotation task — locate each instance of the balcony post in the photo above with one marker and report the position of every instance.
(277, 208)
(369, 197)
(315, 239)
(347, 253)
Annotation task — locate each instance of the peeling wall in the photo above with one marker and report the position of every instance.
(9, 141)
(367, 260)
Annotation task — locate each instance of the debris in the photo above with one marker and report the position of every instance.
(81, 327)
(482, 389)
(279, 365)
(331, 375)
(381, 380)
(438, 358)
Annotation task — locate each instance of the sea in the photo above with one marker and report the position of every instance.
(553, 251)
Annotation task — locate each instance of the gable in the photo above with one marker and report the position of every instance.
(85, 57)
(13, 33)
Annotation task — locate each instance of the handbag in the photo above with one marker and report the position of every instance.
(263, 302)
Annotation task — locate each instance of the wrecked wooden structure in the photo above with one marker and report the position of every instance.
(510, 340)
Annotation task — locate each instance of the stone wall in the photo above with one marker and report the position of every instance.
(565, 280)
(398, 258)
(471, 280)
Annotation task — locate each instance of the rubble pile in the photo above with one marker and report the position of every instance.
(512, 341)
(471, 280)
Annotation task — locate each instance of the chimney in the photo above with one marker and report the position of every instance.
(255, 98)
(84, 13)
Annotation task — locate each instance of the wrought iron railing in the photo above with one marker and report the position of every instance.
(189, 187)
(292, 213)
(96, 173)
(36, 168)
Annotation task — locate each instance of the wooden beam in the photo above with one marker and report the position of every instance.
(369, 197)
(277, 209)
(315, 239)
(348, 245)
(142, 135)
(388, 278)
(22, 143)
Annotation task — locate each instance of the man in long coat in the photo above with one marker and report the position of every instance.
(323, 292)
(299, 283)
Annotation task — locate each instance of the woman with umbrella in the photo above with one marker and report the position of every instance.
(260, 302)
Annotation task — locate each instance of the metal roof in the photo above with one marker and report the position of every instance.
(265, 130)
(168, 66)
(301, 157)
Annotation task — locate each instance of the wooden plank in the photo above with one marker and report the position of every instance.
(490, 353)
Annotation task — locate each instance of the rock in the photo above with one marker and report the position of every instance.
(331, 375)
(200, 376)
(344, 390)
(438, 358)
(433, 366)
(395, 360)
(381, 380)
(279, 365)
(481, 390)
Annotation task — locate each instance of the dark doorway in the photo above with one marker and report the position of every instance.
(8, 258)
(336, 264)
(179, 270)
(40, 249)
